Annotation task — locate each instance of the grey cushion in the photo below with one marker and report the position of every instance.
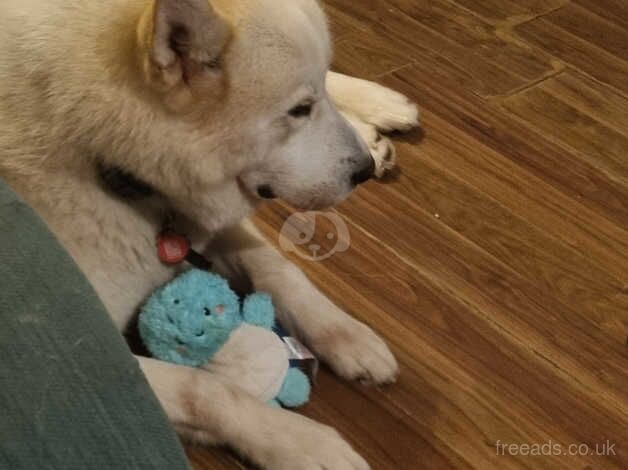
(71, 394)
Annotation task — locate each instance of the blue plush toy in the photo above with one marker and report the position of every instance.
(197, 320)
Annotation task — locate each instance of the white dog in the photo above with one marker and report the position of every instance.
(215, 105)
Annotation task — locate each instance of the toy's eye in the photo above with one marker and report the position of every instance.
(177, 301)
(207, 312)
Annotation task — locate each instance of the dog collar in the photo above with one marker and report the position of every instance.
(123, 184)
(172, 248)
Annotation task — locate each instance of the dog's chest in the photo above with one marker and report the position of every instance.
(121, 263)
(114, 244)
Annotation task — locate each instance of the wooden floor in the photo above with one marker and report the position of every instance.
(496, 262)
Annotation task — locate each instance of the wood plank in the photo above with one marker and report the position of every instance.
(434, 85)
(524, 195)
(339, 26)
(615, 11)
(581, 22)
(386, 438)
(590, 97)
(542, 259)
(576, 51)
(510, 11)
(360, 18)
(562, 336)
(466, 79)
(368, 56)
(491, 65)
(450, 22)
(584, 138)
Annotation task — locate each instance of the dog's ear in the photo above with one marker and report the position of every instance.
(184, 41)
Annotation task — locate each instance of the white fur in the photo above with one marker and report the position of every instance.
(384, 108)
(85, 80)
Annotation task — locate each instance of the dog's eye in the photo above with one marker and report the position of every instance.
(302, 110)
(208, 312)
(213, 64)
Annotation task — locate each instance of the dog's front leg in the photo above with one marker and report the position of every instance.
(372, 103)
(203, 408)
(351, 348)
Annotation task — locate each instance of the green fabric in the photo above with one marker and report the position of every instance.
(71, 394)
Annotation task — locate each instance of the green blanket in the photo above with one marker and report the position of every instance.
(71, 394)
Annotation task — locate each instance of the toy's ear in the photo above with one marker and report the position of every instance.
(258, 310)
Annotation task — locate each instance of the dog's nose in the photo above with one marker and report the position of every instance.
(364, 174)
(266, 192)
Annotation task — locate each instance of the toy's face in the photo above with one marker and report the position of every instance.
(190, 319)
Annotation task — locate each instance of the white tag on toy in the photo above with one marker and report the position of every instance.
(301, 357)
(297, 349)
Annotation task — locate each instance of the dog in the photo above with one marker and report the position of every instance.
(215, 106)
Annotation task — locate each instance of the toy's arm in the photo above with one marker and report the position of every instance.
(258, 310)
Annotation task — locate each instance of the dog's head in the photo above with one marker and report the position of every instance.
(249, 76)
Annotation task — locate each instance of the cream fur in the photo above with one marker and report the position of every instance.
(83, 81)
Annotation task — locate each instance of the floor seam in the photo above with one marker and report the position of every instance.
(528, 86)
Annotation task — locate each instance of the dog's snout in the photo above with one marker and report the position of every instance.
(365, 173)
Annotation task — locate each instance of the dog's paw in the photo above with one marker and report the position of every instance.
(293, 442)
(355, 352)
(373, 103)
(384, 153)
(387, 109)
(348, 346)
(382, 149)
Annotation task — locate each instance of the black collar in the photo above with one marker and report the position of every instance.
(124, 184)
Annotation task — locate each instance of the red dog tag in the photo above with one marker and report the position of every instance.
(172, 248)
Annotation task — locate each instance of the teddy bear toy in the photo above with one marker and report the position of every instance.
(196, 320)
